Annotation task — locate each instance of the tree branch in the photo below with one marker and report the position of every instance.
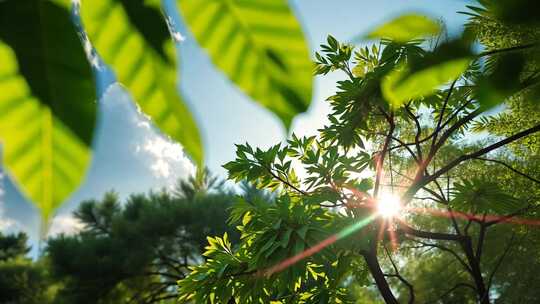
(485, 150)
(509, 49)
(402, 144)
(423, 181)
(499, 261)
(438, 127)
(380, 158)
(452, 252)
(510, 168)
(481, 238)
(400, 277)
(418, 132)
(404, 227)
(458, 285)
(284, 181)
(378, 276)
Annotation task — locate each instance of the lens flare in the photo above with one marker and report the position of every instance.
(510, 219)
(388, 205)
(318, 247)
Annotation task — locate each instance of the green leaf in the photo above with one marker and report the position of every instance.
(259, 45)
(433, 69)
(406, 27)
(246, 218)
(478, 195)
(302, 232)
(133, 39)
(299, 246)
(359, 70)
(400, 85)
(47, 104)
(333, 43)
(285, 238)
(504, 81)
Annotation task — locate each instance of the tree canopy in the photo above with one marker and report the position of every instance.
(21, 280)
(131, 251)
(422, 188)
(135, 252)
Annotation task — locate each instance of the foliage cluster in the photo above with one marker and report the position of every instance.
(127, 252)
(406, 114)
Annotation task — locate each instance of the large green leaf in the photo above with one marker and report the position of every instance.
(406, 27)
(259, 45)
(47, 101)
(479, 196)
(398, 87)
(132, 37)
(425, 73)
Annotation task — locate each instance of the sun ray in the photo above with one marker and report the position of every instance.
(347, 231)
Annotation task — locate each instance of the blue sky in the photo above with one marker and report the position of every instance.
(130, 156)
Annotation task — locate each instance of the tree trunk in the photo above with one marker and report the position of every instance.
(378, 276)
(476, 273)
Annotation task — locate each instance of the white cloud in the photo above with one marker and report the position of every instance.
(167, 159)
(161, 168)
(143, 124)
(7, 225)
(159, 160)
(65, 224)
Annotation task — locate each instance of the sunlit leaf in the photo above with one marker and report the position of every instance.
(402, 84)
(47, 104)
(406, 27)
(132, 37)
(260, 46)
(479, 196)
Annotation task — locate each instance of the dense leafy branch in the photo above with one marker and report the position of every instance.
(500, 162)
(300, 237)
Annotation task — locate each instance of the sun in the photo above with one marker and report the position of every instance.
(388, 205)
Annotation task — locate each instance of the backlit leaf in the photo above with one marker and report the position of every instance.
(47, 104)
(479, 196)
(132, 37)
(260, 46)
(398, 90)
(406, 27)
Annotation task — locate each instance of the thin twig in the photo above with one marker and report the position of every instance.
(400, 277)
(509, 167)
